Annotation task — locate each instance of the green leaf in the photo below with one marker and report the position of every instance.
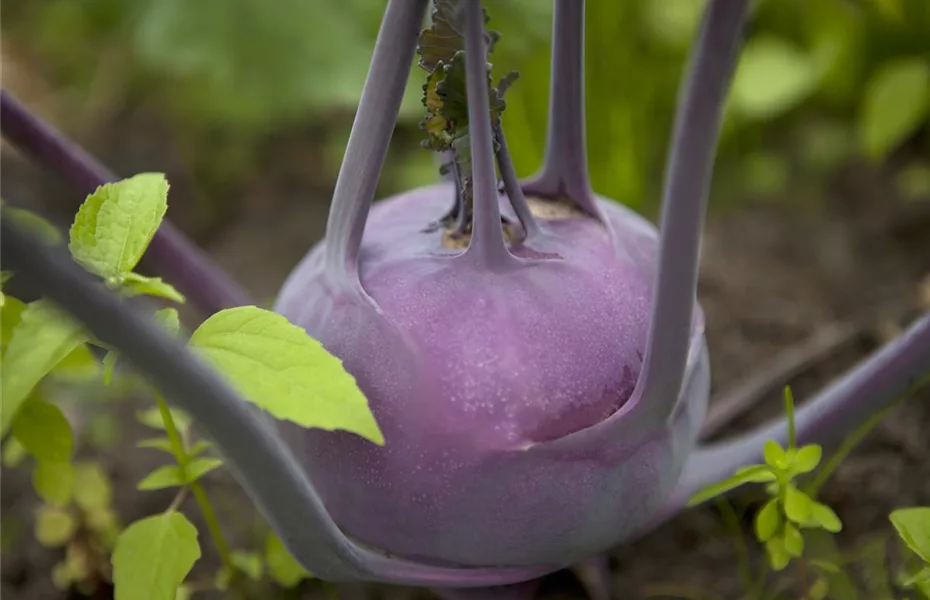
(775, 455)
(913, 526)
(109, 366)
(162, 477)
(279, 368)
(797, 505)
(198, 447)
(169, 319)
(152, 418)
(807, 458)
(282, 567)
(163, 444)
(772, 77)
(745, 475)
(41, 339)
(33, 224)
(153, 556)
(768, 520)
(824, 517)
(133, 284)
(115, 224)
(249, 563)
(777, 553)
(199, 467)
(756, 474)
(185, 592)
(895, 104)
(44, 431)
(79, 365)
(92, 489)
(54, 482)
(794, 541)
(914, 579)
(10, 314)
(54, 526)
(13, 453)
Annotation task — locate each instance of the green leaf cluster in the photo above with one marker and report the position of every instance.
(913, 527)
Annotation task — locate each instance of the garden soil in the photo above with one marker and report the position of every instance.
(773, 275)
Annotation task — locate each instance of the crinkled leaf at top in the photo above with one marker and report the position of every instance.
(281, 369)
(115, 224)
(446, 35)
(913, 526)
(153, 556)
(39, 341)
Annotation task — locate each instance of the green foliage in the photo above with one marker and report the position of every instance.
(913, 527)
(153, 556)
(44, 431)
(279, 368)
(282, 567)
(896, 103)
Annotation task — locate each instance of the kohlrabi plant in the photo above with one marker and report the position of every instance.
(532, 353)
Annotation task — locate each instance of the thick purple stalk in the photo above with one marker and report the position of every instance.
(565, 166)
(170, 252)
(369, 138)
(890, 372)
(684, 203)
(487, 237)
(253, 450)
(513, 189)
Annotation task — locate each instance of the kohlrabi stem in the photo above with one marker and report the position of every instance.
(487, 236)
(249, 443)
(895, 370)
(565, 166)
(170, 253)
(512, 187)
(684, 202)
(370, 137)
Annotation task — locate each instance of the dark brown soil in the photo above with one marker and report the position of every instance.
(773, 275)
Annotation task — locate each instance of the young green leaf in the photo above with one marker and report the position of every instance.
(777, 553)
(134, 284)
(161, 443)
(199, 447)
(162, 477)
(913, 526)
(54, 482)
(169, 319)
(79, 365)
(13, 453)
(279, 368)
(772, 77)
(10, 314)
(743, 476)
(199, 467)
(249, 563)
(152, 418)
(41, 339)
(797, 505)
(775, 455)
(153, 556)
(824, 517)
(92, 488)
(807, 458)
(896, 102)
(768, 520)
(282, 567)
(44, 431)
(54, 526)
(794, 541)
(756, 474)
(115, 224)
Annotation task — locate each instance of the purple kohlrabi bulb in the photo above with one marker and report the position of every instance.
(494, 388)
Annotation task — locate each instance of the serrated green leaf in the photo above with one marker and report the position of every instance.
(162, 477)
(768, 520)
(153, 556)
(115, 224)
(199, 467)
(54, 526)
(249, 563)
(823, 516)
(169, 319)
(282, 567)
(54, 482)
(895, 104)
(807, 458)
(772, 77)
(134, 284)
(797, 505)
(778, 555)
(92, 490)
(163, 444)
(44, 431)
(913, 526)
(794, 541)
(279, 368)
(41, 339)
(775, 455)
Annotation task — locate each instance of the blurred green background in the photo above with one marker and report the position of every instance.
(821, 84)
